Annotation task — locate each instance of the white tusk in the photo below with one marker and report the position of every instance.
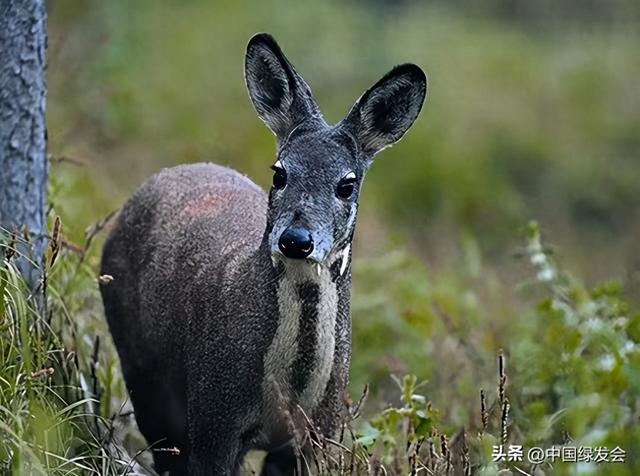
(274, 261)
(318, 268)
(345, 259)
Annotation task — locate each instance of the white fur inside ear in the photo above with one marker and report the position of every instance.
(345, 259)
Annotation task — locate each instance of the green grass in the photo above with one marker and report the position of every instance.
(54, 402)
(570, 360)
(568, 374)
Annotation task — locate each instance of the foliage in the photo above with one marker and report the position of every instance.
(577, 367)
(52, 421)
(573, 381)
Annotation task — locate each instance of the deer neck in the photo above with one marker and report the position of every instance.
(300, 358)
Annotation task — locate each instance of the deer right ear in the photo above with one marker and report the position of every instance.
(279, 94)
(387, 110)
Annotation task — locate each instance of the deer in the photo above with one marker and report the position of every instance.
(229, 307)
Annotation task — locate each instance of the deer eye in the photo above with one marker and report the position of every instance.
(346, 186)
(279, 176)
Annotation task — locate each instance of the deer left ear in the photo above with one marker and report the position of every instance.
(387, 110)
(280, 96)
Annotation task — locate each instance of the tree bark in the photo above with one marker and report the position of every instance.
(23, 143)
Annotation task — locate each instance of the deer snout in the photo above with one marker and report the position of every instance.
(296, 243)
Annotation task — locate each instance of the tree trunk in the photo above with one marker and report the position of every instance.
(23, 143)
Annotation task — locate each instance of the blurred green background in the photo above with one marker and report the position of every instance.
(533, 112)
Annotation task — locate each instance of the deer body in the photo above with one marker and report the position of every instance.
(230, 307)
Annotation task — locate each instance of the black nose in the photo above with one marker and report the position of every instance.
(296, 243)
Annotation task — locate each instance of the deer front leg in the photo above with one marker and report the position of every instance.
(218, 412)
(214, 437)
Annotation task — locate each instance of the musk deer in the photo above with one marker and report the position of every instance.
(229, 307)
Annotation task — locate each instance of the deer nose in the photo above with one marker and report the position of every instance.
(296, 243)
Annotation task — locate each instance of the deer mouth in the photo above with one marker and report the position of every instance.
(311, 263)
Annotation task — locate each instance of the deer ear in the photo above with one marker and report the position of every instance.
(387, 110)
(279, 94)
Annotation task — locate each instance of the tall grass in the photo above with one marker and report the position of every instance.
(51, 378)
(568, 377)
